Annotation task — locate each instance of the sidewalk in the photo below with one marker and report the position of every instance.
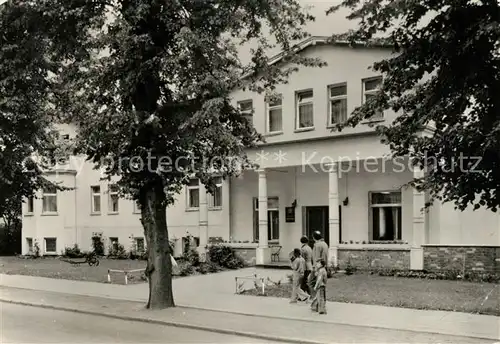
(215, 292)
(277, 330)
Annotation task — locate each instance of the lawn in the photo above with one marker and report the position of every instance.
(459, 296)
(56, 268)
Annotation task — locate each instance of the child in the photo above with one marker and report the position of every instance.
(320, 287)
(298, 267)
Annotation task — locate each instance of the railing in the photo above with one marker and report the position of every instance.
(125, 272)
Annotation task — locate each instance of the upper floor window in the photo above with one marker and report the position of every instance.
(193, 194)
(49, 199)
(30, 205)
(113, 199)
(371, 87)
(305, 110)
(246, 109)
(386, 215)
(337, 103)
(96, 199)
(215, 199)
(137, 207)
(275, 114)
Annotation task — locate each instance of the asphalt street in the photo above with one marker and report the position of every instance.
(24, 324)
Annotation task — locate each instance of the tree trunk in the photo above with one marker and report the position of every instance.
(159, 266)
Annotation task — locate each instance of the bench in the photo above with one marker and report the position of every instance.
(275, 253)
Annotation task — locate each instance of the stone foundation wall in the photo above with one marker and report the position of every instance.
(374, 258)
(247, 254)
(473, 258)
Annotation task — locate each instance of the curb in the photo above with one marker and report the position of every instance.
(442, 333)
(168, 323)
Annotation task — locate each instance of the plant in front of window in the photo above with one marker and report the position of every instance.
(36, 249)
(98, 244)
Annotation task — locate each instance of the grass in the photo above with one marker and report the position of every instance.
(458, 296)
(56, 268)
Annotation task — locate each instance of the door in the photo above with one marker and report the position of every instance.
(317, 220)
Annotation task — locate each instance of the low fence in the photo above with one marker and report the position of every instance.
(253, 278)
(125, 273)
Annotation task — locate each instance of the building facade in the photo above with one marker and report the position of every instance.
(310, 178)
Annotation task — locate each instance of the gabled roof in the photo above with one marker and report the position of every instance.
(322, 40)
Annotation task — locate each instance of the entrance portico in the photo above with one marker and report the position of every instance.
(338, 201)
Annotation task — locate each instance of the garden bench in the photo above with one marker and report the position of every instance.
(275, 253)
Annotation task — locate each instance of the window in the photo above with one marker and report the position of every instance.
(96, 199)
(50, 245)
(215, 199)
(193, 194)
(50, 199)
(273, 231)
(385, 208)
(305, 113)
(65, 137)
(29, 244)
(275, 115)
(114, 243)
(113, 199)
(30, 205)
(246, 109)
(370, 89)
(139, 244)
(338, 103)
(137, 208)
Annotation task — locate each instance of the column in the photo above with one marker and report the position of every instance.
(333, 212)
(263, 254)
(419, 233)
(203, 223)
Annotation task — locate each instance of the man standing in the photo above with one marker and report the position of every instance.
(306, 252)
(319, 251)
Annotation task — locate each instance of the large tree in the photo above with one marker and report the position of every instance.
(26, 119)
(149, 82)
(444, 75)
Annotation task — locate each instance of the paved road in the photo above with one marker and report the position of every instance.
(23, 324)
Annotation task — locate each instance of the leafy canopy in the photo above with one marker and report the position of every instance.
(444, 76)
(26, 115)
(150, 87)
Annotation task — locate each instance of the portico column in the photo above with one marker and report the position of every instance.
(203, 223)
(263, 255)
(333, 212)
(419, 233)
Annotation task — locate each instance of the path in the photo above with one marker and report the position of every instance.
(216, 292)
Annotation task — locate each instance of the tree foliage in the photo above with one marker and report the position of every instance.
(444, 76)
(26, 116)
(149, 82)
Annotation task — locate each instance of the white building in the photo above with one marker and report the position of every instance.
(310, 178)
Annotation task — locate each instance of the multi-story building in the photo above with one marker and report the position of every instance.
(311, 178)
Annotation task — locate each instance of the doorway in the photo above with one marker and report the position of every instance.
(316, 219)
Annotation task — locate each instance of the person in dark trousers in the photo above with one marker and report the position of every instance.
(320, 287)
(306, 252)
(319, 251)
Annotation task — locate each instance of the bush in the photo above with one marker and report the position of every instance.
(192, 257)
(225, 257)
(118, 251)
(73, 252)
(186, 270)
(98, 244)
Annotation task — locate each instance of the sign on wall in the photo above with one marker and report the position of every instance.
(290, 214)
